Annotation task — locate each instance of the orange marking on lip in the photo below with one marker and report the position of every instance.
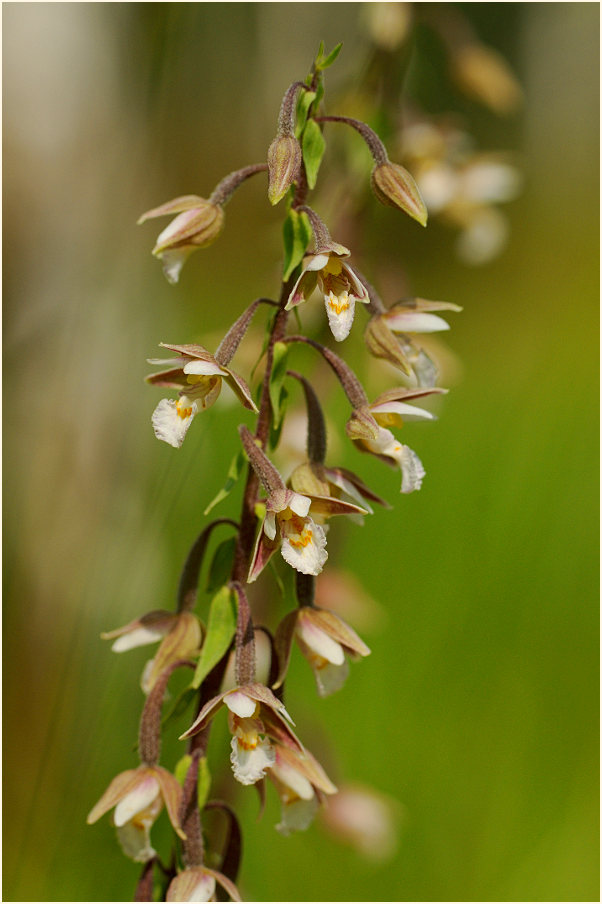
(338, 306)
(247, 745)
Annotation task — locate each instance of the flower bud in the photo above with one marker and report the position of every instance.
(284, 163)
(395, 187)
(199, 222)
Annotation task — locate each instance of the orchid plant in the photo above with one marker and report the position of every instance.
(234, 664)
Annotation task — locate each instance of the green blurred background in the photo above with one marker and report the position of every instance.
(477, 711)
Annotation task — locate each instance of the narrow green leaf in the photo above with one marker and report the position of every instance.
(304, 102)
(234, 471)
(204, 782)
(221, 564)
(296, 233)
(329, 60)
(179, 705)
(220, 631)
(313, 151)
(276, 429)
(277, 376)
(182, 767)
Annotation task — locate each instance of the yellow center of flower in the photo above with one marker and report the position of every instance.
(182, 410)
(340, 304)
(333, 266)
(303, 533)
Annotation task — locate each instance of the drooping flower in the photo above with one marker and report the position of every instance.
(338, 283)
(179, 632)
(301, 784)
(255, 716)
(138, 796)
(198, 224)
(325, 640)
(198, 883)
(389, 336)
(368, 428)
(314, 479)
(198, 376)
(365, 819)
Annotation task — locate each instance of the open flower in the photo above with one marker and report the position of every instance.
(338, 283)
(255, 716)
(325, 640)
(199, 222)
(198, 883)
(368, 428)
(138, 796)
(317, 481)
(198, 376)
(301, 783)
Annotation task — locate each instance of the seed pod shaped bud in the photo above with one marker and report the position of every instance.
(284, 163)
(395, 187)
(199, 222)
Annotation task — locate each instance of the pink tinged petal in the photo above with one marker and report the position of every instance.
(119, 788)
(184, 226)
(185, 202)
(203, 368)
(358, 289)
(318, 641)
(264, 550)
(415, 322)
(297, 816)
(240, 388)
(286, 773)
(138, 637)
(269, 525)
(303, 545)
(302, 289)
(226, 884)
(239, 704)
(134, 840)
(249, 764)
(173, 260)
(340, 310)
(204, 717)
(168, 425)
(192, 885)
(336, 628)
(412, 470)
(283, 640)
(169, 362)
(171, 791)
(139, 798)
(405, 412)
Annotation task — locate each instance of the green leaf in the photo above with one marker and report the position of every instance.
(328, 60)
(280, 355)
(313, 151)
(182, 767)
(220, 631)
(221, 564)
(234, 471)
(204, 782)
(304, 102)
(296, 233)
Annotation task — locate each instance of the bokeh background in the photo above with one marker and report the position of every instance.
(477, 712)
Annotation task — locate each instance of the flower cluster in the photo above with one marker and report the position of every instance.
(237, 666)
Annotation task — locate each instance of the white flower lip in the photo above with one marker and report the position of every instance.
(249, 765)
(168, 425)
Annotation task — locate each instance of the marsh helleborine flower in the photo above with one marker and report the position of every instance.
(198, 376)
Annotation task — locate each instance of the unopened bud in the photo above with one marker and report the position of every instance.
(199, 222)
(383, 344)
(284, 163)
(394, 186)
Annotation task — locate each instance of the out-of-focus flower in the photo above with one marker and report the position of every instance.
(138, 796)
(338, 283)
(388, 23)
(255, 716)
(483, 74)
(325, 640)
(342, 593)
(198, 376)
(198, 883)
(462, 187)
(301, 783)
(179, 632)
(364, 819)
(198, 224)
